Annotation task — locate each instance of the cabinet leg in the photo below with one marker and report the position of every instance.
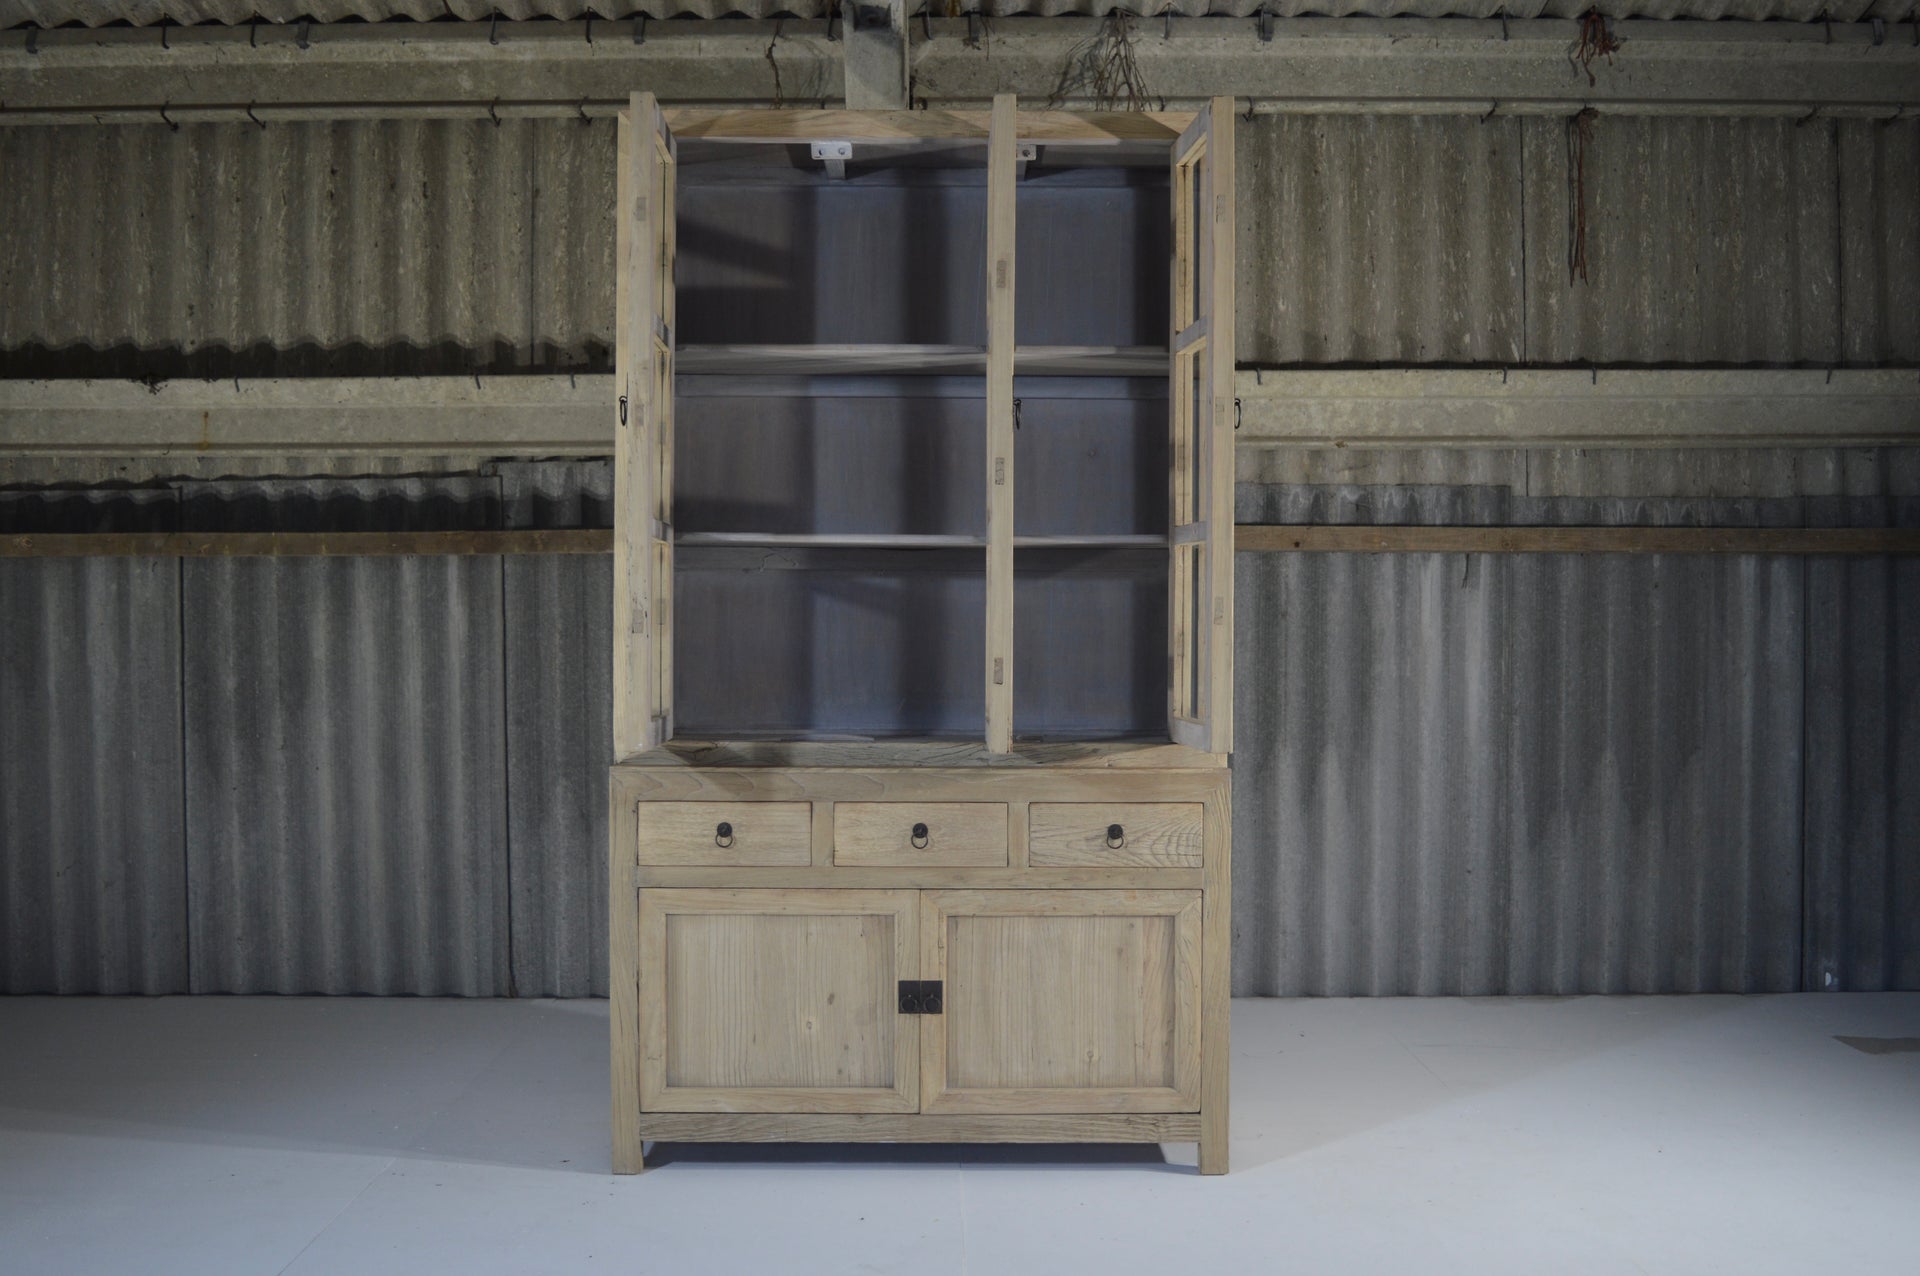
(1213, 1147)
(629, 1152)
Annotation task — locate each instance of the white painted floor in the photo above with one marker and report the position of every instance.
(1682, 1135)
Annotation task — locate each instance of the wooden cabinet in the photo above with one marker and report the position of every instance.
(923, 627)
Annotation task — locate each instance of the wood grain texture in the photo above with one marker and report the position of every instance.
(773, 1001)
(623, 992)
(829, 876)
(917, 784)
(926, 754)
(1001, 182)
(1216, 982)
(1062, 1001)
(776, 1001)
(1171, 1127)
(764, 834)
(643, 423)
(1220, 458)
(793, 127)
(1153, 834)
(879, 834)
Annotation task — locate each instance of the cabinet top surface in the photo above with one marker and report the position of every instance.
(1084, 127)
(921, 753)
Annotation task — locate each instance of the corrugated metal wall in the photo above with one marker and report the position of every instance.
(307, 775)
(405, 247)
(1457, 774)
(92, 843)
(1469, 774)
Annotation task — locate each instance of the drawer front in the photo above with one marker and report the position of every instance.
(1149, 834)
(726, 834)
(910, 834)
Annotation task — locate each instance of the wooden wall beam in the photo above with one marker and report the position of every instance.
(1248, 538)
(1576, 540)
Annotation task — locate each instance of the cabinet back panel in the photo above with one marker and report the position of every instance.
(904, 465)
(1091, 263)
(890, 257)
(1090, 467)
(1089, 644)
(839, 464)
(804, 643)
(832, 263)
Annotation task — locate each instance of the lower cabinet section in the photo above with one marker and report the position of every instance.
(1014, 1001)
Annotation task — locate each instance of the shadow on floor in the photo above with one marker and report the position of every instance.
(1079, 1155)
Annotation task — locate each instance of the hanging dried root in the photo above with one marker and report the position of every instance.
(1105, 70)
(1579, 137)
(1596, 41)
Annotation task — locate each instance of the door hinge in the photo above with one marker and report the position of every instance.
(920, 997)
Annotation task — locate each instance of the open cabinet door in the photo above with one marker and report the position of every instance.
(1200, 579)
(643, 438)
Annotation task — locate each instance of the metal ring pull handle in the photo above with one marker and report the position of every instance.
(919, 837)
(1116, 837)
(723, 834)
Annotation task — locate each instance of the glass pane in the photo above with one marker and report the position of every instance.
(663, 423)
(1196, 630)
(663, 260)
(1183, 247)
(1198, 432)
(1191, 195)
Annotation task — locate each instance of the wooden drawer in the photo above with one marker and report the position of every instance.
(1151, 834)
(969, 834)
(726, 834)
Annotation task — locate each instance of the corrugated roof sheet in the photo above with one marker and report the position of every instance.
(1708, 241)
(1379, 239)
(234, 12)
(386, 248)
(404, 247)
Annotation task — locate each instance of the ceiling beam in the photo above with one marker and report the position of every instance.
(1742, 407)
(545, 415)
(1346, 65)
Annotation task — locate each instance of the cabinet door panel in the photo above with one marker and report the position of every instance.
(1062, 1001)
(776, 1001)
(1200, 573)
(643, 431)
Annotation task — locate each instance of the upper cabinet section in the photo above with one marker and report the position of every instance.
(920, 437)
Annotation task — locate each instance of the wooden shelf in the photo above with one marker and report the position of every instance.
(916, 360)
(1117, 541)
(862, 540)
(825, 540)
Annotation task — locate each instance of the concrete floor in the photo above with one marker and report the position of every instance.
(1685, 1135)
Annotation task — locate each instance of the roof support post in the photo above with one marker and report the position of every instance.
(875, 41)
